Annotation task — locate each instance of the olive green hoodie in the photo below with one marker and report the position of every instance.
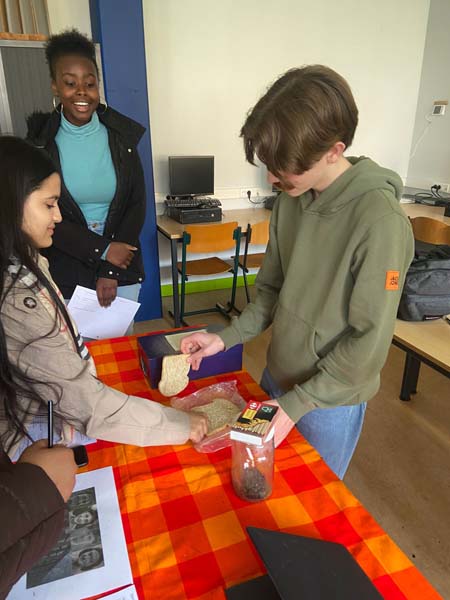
(330, 286)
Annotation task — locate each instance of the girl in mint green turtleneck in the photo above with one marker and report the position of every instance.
(84, 149)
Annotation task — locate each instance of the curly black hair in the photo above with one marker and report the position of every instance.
(68, 42)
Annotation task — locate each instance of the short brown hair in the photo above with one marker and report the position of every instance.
(299, 118)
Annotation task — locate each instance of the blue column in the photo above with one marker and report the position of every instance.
(118, 27)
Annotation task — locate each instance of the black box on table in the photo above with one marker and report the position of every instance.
(152, 348)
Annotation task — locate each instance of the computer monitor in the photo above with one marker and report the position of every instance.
(191, 175)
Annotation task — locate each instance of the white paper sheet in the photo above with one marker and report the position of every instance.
(38, 430)
(174, 339)
(91, 556)
(128, 593)
(94, 321)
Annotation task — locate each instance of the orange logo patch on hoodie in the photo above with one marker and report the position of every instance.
(392, 280)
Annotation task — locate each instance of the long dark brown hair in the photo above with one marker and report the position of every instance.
(23, 168)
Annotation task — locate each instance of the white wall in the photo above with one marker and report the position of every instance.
(209, 62)
(431, 162)
(64, 14)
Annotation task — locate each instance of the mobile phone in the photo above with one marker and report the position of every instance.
(80, 455)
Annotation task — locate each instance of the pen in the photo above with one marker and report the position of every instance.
(50, 424)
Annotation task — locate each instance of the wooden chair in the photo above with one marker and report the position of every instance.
(430, 230)
(257, 234)
(203, 239)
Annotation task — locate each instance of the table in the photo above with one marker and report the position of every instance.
(427, 341)
(173, 231)
(185, 527)
(422, 210)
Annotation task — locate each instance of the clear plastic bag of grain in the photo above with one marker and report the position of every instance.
(222, 404)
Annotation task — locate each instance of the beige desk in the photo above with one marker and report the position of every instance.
(173, 231)
(428, 341)
(420, 210)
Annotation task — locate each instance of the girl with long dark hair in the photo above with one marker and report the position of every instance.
(34, 490)
(42, 356)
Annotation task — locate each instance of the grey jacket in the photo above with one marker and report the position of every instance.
(89, 406)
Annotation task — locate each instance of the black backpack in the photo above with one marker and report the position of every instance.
(426, 292)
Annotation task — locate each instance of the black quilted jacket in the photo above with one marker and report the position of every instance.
(75, 255)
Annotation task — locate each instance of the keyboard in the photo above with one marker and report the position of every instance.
(192, 203)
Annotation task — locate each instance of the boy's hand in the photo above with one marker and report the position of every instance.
(199, 345)
(58, 463)
(283, 424)
(199, 426)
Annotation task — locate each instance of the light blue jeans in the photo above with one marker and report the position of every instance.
(334, 432)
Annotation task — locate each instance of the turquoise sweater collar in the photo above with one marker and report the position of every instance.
(83, 130)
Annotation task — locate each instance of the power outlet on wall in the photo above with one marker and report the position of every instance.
(445, 187)
(439, 107)
(254, 192)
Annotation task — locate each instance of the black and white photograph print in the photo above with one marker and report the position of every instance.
(79, 548)
(91, 557)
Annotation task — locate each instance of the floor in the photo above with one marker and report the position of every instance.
(401, 467)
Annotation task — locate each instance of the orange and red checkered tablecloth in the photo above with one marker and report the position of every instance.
(186, 529)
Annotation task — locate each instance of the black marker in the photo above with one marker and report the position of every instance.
(50, 423)
(79, 452)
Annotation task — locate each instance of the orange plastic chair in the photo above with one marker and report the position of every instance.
(202, 239)
(430, 230)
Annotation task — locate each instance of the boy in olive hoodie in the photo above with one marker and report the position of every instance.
(339, 248)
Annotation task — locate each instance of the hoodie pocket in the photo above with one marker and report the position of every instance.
(292, 354)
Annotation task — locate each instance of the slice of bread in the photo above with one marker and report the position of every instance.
(220, 412)
(174, 375)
